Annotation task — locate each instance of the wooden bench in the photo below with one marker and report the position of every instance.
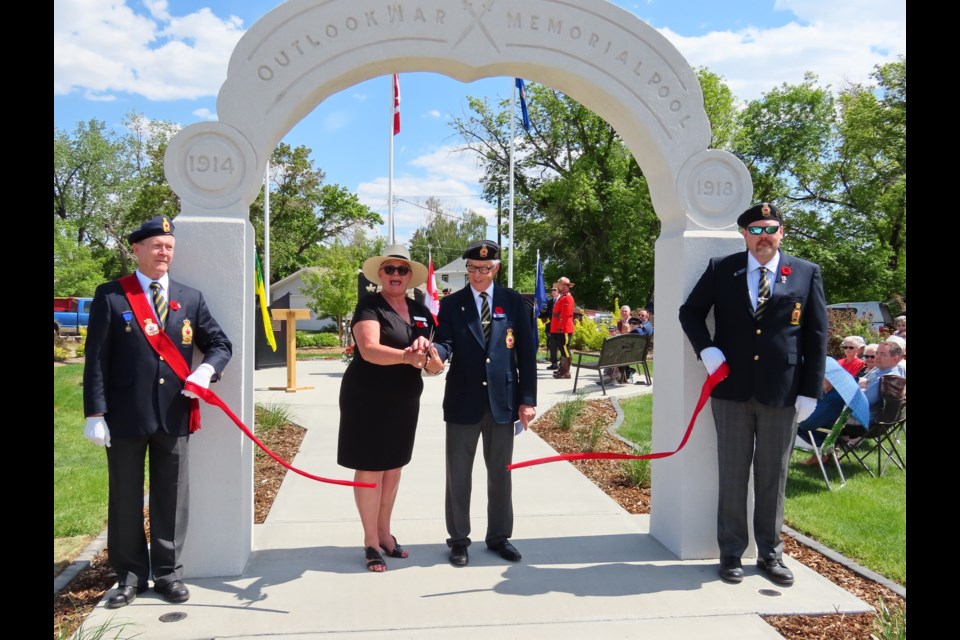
(630, 349)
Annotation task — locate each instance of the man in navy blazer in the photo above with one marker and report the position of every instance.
(491, 384)
(135, 403)
(771, 329)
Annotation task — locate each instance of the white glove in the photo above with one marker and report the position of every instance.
(805, 406)
(97, 432)
(712, 359)
(200, 377)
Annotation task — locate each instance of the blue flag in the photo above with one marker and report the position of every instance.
(540, 290)
(523, 106)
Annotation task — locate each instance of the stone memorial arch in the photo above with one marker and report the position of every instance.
(602, 56)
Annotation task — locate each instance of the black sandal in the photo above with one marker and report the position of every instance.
(374, 560)
(398, 551)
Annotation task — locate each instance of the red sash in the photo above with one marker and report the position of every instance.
(160, 341)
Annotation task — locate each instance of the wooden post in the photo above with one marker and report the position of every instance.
(291, 316)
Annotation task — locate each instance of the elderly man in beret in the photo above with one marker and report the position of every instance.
(771, 330)
(491, 385)
(142, 333)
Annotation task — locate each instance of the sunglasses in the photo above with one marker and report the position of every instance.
(391, 269)
(869, 357)
(472, 268)
(756, 231)
(846, 346)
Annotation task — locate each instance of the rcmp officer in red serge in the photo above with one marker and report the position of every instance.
(138, 352)
(771, 329)
(491, 384)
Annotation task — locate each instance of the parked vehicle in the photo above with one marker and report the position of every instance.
(69, 321)
(878, 312)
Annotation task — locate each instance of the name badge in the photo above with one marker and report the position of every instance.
(499, 316)
(420, 322)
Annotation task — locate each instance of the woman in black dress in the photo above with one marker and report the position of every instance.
(380, 393)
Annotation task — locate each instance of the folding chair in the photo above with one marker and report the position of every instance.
(883, 436)
(829, 445)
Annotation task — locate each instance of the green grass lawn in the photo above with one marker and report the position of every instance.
(79, 467)
(865, 521)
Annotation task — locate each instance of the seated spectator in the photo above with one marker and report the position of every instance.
(900, 326)
(889, 362)
(902, 343)
(623, 322)
(645, 326)
(823, 417)
(853, 347)
(869, 356)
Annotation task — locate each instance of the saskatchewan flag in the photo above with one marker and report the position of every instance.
(262, 294)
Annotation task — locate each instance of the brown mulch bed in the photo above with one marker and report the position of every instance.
(76, 601)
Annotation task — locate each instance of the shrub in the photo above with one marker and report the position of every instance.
(637, 471)
(60, 354)
(567, 412)
(889, 624)
(841, 323)
(588, 335)
(588, 438)
(329, 340)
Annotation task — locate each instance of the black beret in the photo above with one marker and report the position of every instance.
(762, 211)
(634, 320)
(156, 226)
(482, 250)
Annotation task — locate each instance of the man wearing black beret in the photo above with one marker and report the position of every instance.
(140, 341)
(491, 384)
(771, 330)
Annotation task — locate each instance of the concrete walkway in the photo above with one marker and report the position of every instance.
(589, 568)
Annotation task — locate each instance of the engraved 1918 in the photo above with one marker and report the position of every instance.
(708, 188)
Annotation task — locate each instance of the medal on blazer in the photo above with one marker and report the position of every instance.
(795, 315)
(186, 333)
(509, 339)
(150, 327)
(128, 318)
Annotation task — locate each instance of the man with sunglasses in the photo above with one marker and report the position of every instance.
(491, 384)
(771, 329)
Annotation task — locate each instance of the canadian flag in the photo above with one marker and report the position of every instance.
(433, 298)
(396, 104)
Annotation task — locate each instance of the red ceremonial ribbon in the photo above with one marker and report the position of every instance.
(211, 398)
(712, 381)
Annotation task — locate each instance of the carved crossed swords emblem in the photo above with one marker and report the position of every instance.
(477, 21)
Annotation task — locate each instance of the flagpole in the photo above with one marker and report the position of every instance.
(393, 111)
(266, 232)
(513, 124)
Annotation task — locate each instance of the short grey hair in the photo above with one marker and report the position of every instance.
(856, 341)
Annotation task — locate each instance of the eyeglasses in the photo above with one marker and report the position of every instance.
(869, 357)
(552, 289)
(472, 268)
(756, 231)
(847, 346)
(391, 269)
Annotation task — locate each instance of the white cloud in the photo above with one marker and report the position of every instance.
(433, 113)
(102, 47)
(205, 114)
(840, 42)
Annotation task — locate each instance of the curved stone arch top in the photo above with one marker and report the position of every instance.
(604, 57)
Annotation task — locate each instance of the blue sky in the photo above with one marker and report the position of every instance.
(166, 59)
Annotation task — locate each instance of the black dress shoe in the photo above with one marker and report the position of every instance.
(174, 591)
(459, 556)
(552, 367)
(506, 550)
(776, 571)
(124, 596)
(731, 570)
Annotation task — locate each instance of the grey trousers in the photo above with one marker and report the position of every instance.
(749, 433)
(461, 449)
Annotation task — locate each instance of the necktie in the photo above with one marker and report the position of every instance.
(763, 293)
(160, 304)
(485, 316)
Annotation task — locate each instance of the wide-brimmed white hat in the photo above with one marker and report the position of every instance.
(371, 266)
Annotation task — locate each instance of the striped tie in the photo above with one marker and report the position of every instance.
(763, 293)
(485, 316)
(160, 304)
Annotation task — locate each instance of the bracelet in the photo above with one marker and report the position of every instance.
(403, 355)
